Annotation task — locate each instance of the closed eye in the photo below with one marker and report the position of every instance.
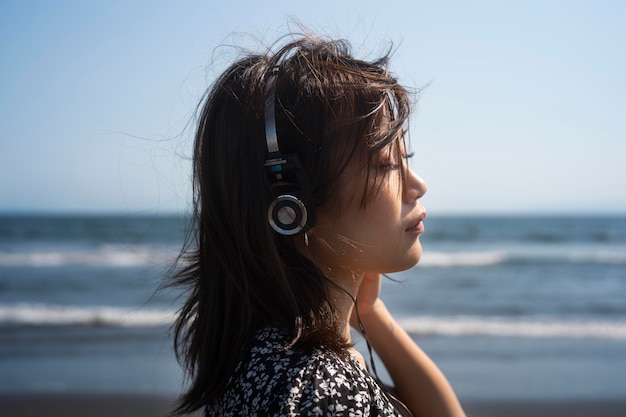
(390, 167)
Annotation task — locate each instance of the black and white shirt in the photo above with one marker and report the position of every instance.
(274, 381)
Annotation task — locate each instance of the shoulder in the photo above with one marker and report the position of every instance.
(279, 381)
(326, 385)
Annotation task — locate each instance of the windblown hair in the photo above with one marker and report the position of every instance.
(240, 275)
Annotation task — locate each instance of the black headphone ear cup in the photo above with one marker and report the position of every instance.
(291, 210)
(287, 214)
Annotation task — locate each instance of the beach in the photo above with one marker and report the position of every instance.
(156, 406)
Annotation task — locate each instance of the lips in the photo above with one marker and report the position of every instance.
(418, 226)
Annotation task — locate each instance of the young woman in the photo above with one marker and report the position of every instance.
(303, 197)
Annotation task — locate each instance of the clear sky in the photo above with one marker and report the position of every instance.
(524, 108)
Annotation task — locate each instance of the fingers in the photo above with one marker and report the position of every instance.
(369, 276)
(370, 287)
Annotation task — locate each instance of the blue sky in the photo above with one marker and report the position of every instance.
(524, 109)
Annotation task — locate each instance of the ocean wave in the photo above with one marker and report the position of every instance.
(435, 259)
(529, 327)
(508, 327)
(103, 256)
(66, 315)
(122, 256)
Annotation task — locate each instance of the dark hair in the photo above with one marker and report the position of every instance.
(240, 275)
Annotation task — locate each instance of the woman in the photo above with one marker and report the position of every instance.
(303, 197)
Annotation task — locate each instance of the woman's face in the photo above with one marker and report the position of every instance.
(381, 237)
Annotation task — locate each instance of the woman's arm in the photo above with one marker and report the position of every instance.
(418, 381)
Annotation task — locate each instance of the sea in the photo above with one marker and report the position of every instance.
(510, 307)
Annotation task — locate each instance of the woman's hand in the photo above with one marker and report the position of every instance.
(368, 301)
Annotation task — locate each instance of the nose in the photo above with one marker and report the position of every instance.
(414, 187)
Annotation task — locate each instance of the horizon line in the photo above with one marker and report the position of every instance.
(432, 213)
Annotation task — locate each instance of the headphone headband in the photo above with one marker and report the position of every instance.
(270, 114)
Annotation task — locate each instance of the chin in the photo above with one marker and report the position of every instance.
(416, 253)
(409, 262)
(415, 260)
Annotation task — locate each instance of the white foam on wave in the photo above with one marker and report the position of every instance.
(607, 257)
(450, 259)
(434, 259)
(45, 314)
(510, 327)
(103, 256)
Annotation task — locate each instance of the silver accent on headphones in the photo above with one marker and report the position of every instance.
(270, 115)
(283, 215)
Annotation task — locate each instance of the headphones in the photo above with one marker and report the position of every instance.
(291, 210)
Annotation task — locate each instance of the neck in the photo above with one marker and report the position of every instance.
(343, 291)
(343, 284)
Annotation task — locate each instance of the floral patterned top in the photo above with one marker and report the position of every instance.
(274, 381)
